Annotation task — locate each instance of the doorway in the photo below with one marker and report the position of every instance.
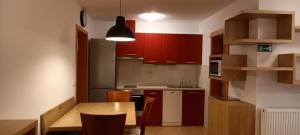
(82, 65)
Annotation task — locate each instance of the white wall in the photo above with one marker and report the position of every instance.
(261, 88)
(101, 27)
(282, 5)
(270, 93)
(37, 55)
(215, 22)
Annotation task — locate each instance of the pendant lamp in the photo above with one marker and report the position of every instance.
(120, 31)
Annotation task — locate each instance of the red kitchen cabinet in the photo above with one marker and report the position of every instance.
(131, 25)
(153, 49)
(182, 49)
(155, 116)
(193, 108)
(192, 53)
(171, 48)
(131, 49)
(191, 50)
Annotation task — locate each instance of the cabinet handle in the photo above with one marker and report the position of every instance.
(191, 62)
(193, 92)
(152, 61)
(171, 62)
(152, 93)
(131, 54)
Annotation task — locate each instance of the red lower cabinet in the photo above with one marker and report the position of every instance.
(155, 116)
(193, 108)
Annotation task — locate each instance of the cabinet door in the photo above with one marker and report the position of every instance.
(155, 116)
(171, 48)
(192, 52)
(131, 49)
(193, 108)
(153, 49)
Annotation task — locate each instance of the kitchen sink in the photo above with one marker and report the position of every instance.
(181, 86)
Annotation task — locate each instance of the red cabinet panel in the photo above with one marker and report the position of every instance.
(131, 49)
(182, 49)
(153, 49)
(192, 52)
(131, 25)
(155, 116)
(193, 108)
(171, 48)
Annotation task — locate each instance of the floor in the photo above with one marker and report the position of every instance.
(176, 131)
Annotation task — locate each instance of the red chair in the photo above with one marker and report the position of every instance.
(146, 111)
(118, 96)
(103, 124)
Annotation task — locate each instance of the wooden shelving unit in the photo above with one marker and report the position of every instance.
(259, 68)
(292, 61)
(218, 86)
(244, 28)
(297, 28)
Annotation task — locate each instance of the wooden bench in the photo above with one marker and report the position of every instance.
(48, 118)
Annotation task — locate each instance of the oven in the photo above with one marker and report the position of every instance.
(138, 98)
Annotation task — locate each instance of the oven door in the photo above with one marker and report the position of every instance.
(139, 103)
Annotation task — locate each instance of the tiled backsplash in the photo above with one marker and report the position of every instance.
(134, 72)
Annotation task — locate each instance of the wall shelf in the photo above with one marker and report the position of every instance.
(259, 41)
(292, 61)
(255, 27)
(259, 68)
(297, 28)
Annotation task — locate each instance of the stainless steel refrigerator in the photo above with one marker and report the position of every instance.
(102, 68)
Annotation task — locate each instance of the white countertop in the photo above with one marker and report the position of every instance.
(159, 88)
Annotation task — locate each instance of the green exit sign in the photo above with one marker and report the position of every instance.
(264, 48)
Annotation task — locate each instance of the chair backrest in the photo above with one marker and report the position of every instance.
(48, 118)
(103, 124)
(118, 96)
(147, 109)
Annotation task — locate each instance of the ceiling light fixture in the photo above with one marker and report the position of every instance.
(152, 16)
(120, 31)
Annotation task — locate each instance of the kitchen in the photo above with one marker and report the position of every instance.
(192, 60)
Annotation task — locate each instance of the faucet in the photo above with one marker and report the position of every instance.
(181, 84)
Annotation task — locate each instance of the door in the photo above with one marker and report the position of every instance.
(153, 49)
(193, 108)
(155, 116)
(82, 53)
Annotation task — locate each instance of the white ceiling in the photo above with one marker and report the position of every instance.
(176, 10)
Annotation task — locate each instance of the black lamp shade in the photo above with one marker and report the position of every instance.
(120, 31)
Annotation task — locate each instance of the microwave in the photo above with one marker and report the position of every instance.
(215, 68)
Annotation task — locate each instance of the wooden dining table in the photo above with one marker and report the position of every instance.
(71, 121)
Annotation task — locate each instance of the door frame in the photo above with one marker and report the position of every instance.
(82, 65)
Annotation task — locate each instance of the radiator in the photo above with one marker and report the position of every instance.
(280, 121)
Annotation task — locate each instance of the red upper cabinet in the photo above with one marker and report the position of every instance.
(153, 49)
(131, 25)
(182, 49)
(131, 49)
(171, 48)
(192, 50)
